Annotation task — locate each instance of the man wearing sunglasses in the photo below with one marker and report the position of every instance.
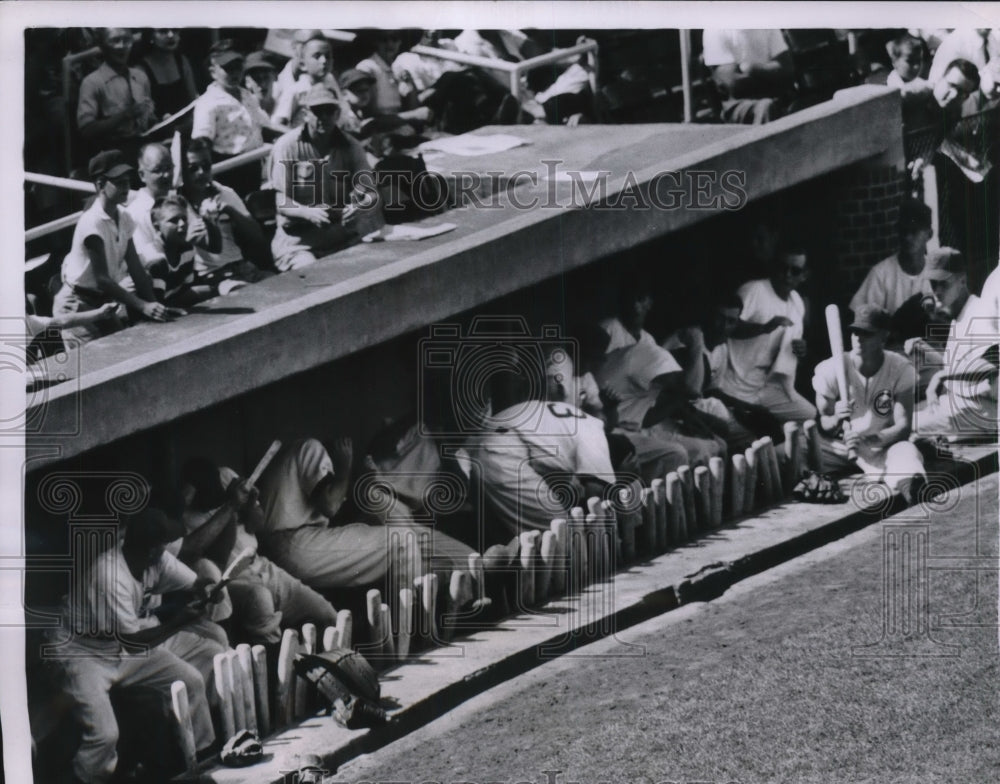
(766, 345)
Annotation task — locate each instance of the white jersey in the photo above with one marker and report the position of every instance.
(887, 286)
(529, 450)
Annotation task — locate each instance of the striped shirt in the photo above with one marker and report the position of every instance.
(172, 281)
(234, 126)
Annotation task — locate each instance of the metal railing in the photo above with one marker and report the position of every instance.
(66, 221)
(515, 71)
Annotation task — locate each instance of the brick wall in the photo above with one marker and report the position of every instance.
(866, 201)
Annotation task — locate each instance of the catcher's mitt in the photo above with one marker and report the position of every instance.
(348, 682)
(243, 749)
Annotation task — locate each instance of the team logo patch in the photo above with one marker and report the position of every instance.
(883, 403)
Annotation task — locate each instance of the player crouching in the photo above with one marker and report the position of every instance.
(871, 428)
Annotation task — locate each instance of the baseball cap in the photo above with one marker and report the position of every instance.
(222, 53)
(110, 164)
(319, 95)
(353, 76)
(256, 60)
(870, 318)
(942, 263)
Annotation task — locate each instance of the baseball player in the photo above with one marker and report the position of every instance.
(877, 415)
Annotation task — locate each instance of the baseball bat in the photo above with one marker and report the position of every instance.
(837, 352)
(264, 461)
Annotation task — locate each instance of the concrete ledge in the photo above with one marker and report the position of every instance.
(366, 295)
(425, 688)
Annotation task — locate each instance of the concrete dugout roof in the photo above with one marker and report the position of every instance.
(152, 374)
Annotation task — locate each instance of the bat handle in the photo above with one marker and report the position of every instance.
(852, 453)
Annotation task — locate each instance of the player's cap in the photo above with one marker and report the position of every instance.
(302, 37)
(154, 526)
(257, 61)
(942, 263)
(870, 318)
(913, 215)
(352, 77)
(222, 53)
(319, 95)
(110, 164)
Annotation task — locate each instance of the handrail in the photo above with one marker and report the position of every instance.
(36, 232)
(59, 182)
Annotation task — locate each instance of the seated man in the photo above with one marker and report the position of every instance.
(874, 422)
(766, 345)
(705, 356)
(111, 637)
(962, 393)
(896, 284)
(753, 71)
(326, 197)
(221, 518)
(302, 491)
(653, 410)
(538, 458)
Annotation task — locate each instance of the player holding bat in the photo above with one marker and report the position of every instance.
(865, 404)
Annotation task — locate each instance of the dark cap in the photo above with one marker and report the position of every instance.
(302, 37)
(257, 60)
(319, 95)
(913, 216)
(870, 318)
(223, 54)
(942, 263)
(153, 526)
(353, 76)
(110, 164)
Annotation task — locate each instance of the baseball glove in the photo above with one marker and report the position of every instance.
(348, 683)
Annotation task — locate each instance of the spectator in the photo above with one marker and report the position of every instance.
(875, 419)
(962, 394)
(156, 171)
(358, 87)
(229, 116)
(649, 385)
(115, 614)
(258, 78)
(538, 457)
(314, 60)
(753, 71)
(222, 516)
(301, 493)
(244, 255)
(766, 345)
(315, 169)
(36, 325)
(115, 105)
(907, 54)
(897, 284)
(977, 46)
(170, 76)
(173, 276)
(102, 254)
(388, 94)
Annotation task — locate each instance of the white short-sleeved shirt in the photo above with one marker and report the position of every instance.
(388, 99)
(629, 368)
(234, 126)
(288, 482)
(116, 234)
(725, 47)
(751, 360)
(886, 286)
(969, 338)
(524, 444)
(114, 602)
(874, 398)
(965, 43)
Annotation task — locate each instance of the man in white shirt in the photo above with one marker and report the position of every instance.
(896, 284)
(962, 394)
(977, 46)
(766, 346)
(754, 73)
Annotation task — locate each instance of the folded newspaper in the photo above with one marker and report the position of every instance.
(407, 231)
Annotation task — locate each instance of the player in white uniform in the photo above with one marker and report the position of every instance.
(881, 391)
(538, 458)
